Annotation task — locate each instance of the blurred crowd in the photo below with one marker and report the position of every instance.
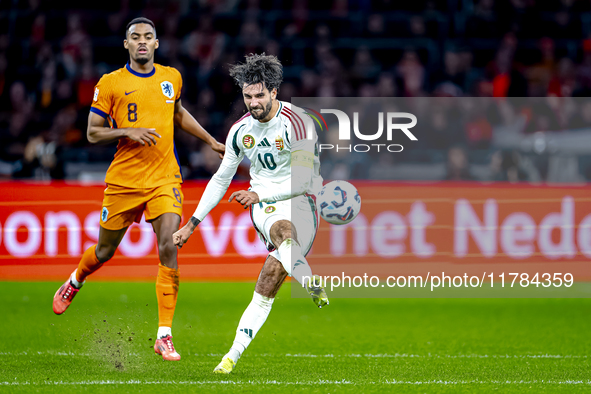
(52, 53)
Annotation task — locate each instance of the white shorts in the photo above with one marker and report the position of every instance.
(304, 217)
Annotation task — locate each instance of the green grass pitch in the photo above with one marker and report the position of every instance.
(103, 343)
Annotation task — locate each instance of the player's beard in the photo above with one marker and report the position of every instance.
(142, 60)
(265, 112)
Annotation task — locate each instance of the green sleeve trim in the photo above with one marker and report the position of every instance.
(235, 142)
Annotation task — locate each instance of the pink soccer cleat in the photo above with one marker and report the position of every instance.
(63, 297)
(165, 348)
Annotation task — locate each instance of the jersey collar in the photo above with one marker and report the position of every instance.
(138, 74)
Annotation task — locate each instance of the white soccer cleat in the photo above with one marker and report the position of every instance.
(317, 291)
(225, 367)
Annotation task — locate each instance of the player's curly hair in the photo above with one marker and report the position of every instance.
(265, 69)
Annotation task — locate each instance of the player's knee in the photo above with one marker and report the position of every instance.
(285, 235)
(283, 231)
(166, 250)
(104, 253)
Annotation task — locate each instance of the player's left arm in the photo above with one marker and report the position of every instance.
(187, 122)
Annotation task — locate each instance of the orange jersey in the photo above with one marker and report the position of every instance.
(131, 99)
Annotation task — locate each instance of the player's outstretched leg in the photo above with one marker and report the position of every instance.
(294, 262)
(167, 284)
(270, 279)
(92, 259)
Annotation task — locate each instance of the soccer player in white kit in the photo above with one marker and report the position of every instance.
(280, 140)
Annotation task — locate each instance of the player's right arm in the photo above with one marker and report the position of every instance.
(102, 106)
(97, 133)
(215, 189)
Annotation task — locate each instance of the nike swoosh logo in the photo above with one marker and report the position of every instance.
(128, 93)
(167, 294)
(176, 206)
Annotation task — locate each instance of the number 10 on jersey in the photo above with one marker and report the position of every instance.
(269, 161)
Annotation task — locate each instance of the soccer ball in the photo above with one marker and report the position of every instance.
(339, 202)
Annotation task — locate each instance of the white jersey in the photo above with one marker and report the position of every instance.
(283, 155)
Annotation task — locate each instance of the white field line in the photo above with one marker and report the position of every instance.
(307, 355)
(280, 383)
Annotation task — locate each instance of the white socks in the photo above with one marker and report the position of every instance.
(290, 251)
(257, 311)
(251, 322)
(163, 332)
(74, 281)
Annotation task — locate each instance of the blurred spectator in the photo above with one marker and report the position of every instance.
(40, 161)
(509, 166)
(540, 74)
(251, 37)
(309, 83)
(386, 86)
(204, 45)
(169, 44)
(457, 165)
(376, 27)
(72, 44)
(507, 79)
(412, 74)
(453, 71)
(364, 67)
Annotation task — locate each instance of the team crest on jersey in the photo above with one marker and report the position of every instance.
(279, 143)
(270, 209)
(248, 141)
(167, 89)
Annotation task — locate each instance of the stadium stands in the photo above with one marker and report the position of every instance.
(52, 54)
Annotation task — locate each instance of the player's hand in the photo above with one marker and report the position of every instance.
(142, 135)
(219, 148)
(245, 198)
(180, 237)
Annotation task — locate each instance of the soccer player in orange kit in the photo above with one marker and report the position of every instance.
(141, 102)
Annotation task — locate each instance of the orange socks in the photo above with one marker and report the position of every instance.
(167, 289)
(88, 264)
(167, 284)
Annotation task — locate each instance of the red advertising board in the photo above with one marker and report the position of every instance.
(402, 228)
(412, 229)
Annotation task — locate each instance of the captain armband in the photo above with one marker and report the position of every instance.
(302, 158)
